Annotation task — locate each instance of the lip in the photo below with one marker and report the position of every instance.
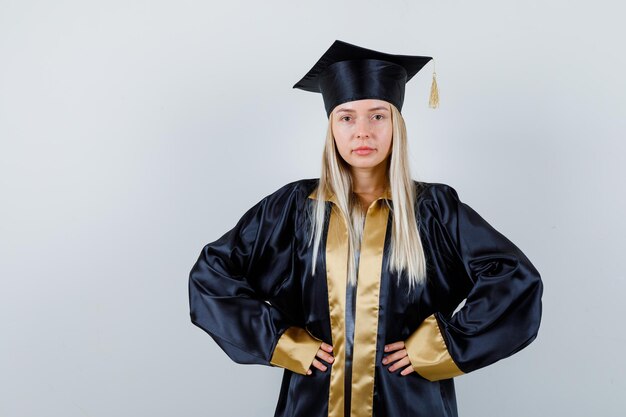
(363, 150)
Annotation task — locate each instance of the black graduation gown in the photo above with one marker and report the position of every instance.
(252, 291)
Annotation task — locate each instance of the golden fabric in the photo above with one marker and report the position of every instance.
(367, 305)
(295, 350)
(428, 352)
(336, 277)
(366, 319)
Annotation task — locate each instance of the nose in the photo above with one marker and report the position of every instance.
(362, 128)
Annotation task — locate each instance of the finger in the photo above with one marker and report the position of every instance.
(326, 347)
(400, 364)
(407, 370)
(319, 365)
(394, 346)
(394, 356)
(324, 355)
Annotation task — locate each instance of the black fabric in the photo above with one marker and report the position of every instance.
(350, 317)
(347, 72)
(255, 281)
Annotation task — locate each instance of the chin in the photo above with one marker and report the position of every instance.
(363, 164)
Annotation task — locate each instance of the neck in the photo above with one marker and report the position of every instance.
(369, 180)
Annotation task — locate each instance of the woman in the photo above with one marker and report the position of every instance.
(354, 283)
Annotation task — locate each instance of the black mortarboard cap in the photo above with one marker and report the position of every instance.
(348, 72)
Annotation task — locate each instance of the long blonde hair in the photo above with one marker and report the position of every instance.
(406, 252)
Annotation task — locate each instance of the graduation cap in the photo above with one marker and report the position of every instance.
(348, 72)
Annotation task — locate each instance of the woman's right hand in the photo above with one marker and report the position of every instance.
(324, 352)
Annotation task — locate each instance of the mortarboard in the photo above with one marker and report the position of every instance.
(348, 72)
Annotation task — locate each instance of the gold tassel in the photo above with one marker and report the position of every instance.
(434, 91)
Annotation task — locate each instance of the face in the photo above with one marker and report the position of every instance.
(363, 132)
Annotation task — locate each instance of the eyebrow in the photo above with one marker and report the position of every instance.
(352, 111)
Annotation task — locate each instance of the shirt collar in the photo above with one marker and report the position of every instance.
(332, 197)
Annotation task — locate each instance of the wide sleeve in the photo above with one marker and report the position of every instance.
(503, 291)
(233, 280)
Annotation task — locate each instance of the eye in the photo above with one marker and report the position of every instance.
(379, 117)
(346, 118)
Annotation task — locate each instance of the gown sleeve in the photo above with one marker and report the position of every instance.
(234, 278)
(502, 290)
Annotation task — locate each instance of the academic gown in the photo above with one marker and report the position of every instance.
(252, 291)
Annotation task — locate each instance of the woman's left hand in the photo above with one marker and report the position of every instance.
(399, 358)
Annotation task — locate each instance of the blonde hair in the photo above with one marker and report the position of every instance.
(406, 251)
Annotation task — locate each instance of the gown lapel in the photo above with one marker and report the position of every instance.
(353, 371)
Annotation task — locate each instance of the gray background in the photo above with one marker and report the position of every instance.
(134, 132)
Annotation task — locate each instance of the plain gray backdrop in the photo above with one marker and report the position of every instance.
(132, 133)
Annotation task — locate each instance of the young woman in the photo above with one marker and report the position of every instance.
(371, 290)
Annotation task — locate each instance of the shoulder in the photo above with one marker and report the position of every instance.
(297, 188)
(281, 204)
(435, 192)
(290, 195)
(438, 200)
